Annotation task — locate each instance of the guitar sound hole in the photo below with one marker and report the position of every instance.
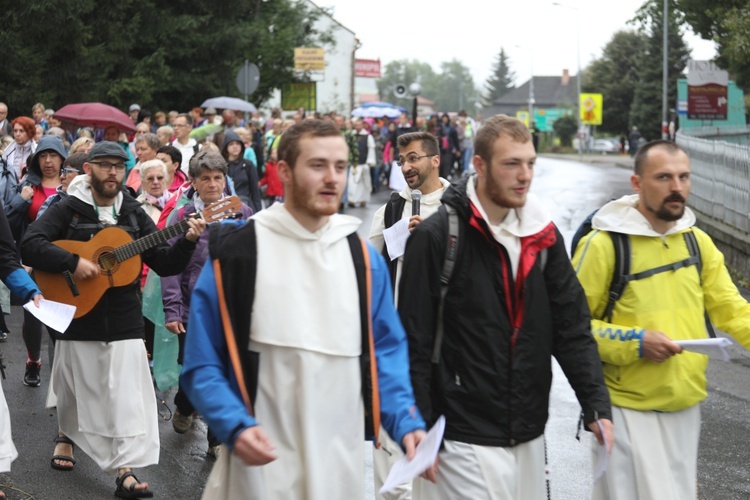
(107, 261)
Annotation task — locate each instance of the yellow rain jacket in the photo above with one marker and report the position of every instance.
(671, 302)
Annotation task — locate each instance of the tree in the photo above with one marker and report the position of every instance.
(405, 72)
(728, 24)
(501, 80)
(453, 89)
(566, 127)
(125, 53)
(645, 112)
(615, 76)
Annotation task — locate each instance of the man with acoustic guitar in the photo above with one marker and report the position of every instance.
(105, 399)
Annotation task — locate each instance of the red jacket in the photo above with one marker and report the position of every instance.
(271, 179)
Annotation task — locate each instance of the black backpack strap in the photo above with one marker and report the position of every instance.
(674, 266)
(617, 286)
(695, 251)
(449, 262)
(368, 365)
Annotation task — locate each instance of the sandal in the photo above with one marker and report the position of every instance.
(123, 492)
(66, 458)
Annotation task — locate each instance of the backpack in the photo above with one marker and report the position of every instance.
(622, 276)
(8, 183)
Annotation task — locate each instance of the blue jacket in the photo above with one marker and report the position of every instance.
(209, 381)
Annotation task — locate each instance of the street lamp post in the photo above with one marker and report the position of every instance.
(578, 78)
(532, 101)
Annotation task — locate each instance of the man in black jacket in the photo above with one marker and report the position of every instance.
(512, 302)
(105, 398)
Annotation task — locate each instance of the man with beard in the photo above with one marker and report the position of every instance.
(480, 349)
(288, 393)
(656, 387)
(105, 398)
(419, 159)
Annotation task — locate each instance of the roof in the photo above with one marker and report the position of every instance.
(549, 92)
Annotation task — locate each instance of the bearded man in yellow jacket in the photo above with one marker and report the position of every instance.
(655, 387)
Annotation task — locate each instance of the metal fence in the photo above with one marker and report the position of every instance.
(720, 175)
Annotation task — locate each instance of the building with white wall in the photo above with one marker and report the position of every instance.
(334, 85)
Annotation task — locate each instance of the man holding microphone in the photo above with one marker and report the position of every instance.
(419, 159)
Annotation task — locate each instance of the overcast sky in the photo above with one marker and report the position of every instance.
(474, 31)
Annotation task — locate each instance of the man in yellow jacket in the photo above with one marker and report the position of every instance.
(655, 386)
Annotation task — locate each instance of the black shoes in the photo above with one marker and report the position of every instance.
(32, 377)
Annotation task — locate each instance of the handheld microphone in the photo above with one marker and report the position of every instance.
(416, 195)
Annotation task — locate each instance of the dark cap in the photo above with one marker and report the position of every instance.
(107, 149)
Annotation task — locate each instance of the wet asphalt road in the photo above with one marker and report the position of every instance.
(570, 190)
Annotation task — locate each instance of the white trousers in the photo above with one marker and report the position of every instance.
(383, 460)
(467, 471)
(654, 458)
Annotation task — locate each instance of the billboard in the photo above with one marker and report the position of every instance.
(591, 109)
(367, 68)
(294, 95)
(707, 91)
(309, 59)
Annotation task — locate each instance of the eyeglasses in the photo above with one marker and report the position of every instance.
(411, 159)
(179, 125)
(68, 170)
(107, 166)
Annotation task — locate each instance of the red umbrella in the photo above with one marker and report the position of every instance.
(95, 114)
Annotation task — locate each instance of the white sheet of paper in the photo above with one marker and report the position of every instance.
(55, 315)
(396, 181)
(395, 238)
(602, 459)
(713, 348)
(404, 470)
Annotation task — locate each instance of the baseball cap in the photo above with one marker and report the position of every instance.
(107, 149)
(134, 107)
(210, 111)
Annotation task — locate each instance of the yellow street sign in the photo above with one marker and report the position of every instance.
(523, 116)
(309, 58)
(591, 109)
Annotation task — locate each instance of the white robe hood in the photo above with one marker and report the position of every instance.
(279, 220)
(80, 187)
(622, 216)
(519, 223)
(304, 285)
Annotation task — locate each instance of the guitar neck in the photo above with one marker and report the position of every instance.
(142, 244)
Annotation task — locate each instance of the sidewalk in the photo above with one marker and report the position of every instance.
(621, 161)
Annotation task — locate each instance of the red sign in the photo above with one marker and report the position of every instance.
(367, 68)
(707, 91)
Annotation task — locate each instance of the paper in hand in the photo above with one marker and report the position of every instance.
(713, 348)
(404, 470)
(55, 315)
(602, 458)
(395, 238)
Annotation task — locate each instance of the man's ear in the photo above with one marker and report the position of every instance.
(479, 165)
(87, 168)
(285, 172)
(635, 182)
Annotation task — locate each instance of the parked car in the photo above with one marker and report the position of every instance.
(606, 146)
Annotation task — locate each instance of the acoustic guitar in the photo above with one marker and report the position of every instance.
(118, 258)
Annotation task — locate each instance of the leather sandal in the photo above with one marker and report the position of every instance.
(66, 458)
(123, 492)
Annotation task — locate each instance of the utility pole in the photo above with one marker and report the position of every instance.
(665, 69)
